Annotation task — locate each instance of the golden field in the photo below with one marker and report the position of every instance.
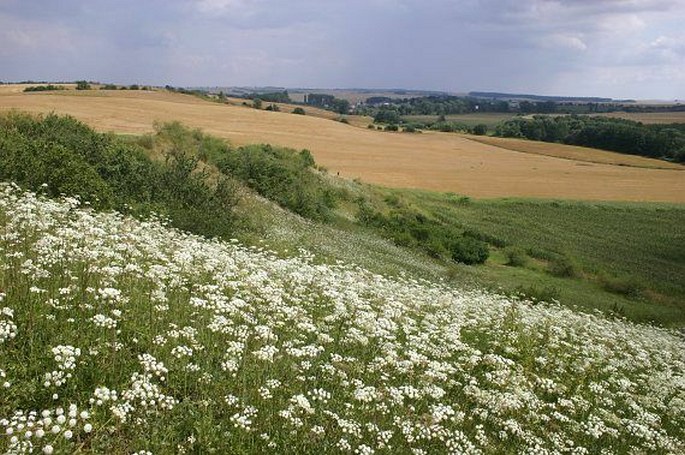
(433, 161)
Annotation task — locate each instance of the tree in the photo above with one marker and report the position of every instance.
(82, 85)
(481, 129)
(341, 106)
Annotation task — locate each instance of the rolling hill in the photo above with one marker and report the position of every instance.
(433, 161)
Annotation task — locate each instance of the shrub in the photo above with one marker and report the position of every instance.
(345, 121)
(282, 175)
(82, 85)
(299, 111)
(628, 287)
(108, 87)
(44, 88)
(516, 257)
(112, 173)
(469, 250)
(562, 266)
(480, 129)
(391, 128)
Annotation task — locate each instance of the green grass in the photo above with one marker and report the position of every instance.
(627, 258)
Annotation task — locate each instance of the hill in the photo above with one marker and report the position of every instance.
(123, 336)
(434, 161)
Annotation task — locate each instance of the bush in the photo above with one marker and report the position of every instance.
(110, 173)
(516, 257)
(345, 121)
(469, 250)
(299, 111)
(282, 175)
(82, 85)
(563, 267)
(628, 287)
(391, 128)
(273, 107)
(108, 87)
(44, 88)
(481, 129)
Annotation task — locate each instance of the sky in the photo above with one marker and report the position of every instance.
(613, 48)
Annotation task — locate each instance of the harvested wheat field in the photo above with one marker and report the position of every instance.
(433, 161)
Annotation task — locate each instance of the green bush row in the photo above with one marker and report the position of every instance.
(58, 155)
(409, 228)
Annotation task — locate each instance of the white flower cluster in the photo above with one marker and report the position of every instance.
(101, 320)
(8, 329)
(143, 395)
(27, 431)
(65, 356)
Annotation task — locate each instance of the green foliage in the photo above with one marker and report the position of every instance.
(299, 111)
(44, 88)
(272, 97)
(387, 115)
(108, 87)
(257, 103)
(563, 267)
(409, 228)
(618, 135)
(469, 250)
(282, 175)
(341, 106)
(134, 87)
(627, 286)
(516, 256)
(273, 107)
(481, 129)
(391, 128)
(83, 85)
(59, 155)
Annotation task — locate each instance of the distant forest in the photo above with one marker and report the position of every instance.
(666, 141)
(450, 105)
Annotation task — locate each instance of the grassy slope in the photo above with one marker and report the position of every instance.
(614, 245)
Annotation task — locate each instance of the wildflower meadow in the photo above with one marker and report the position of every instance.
(126, 336)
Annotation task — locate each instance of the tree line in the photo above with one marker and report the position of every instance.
(665, 141)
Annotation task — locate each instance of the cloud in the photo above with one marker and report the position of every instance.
(560, 46)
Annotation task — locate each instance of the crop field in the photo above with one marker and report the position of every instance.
(489, 118)
(575, 153)
(122, 336)
(623, 257)
(434, 161)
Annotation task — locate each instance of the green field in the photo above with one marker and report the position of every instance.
(490, 118)
(627, 258)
